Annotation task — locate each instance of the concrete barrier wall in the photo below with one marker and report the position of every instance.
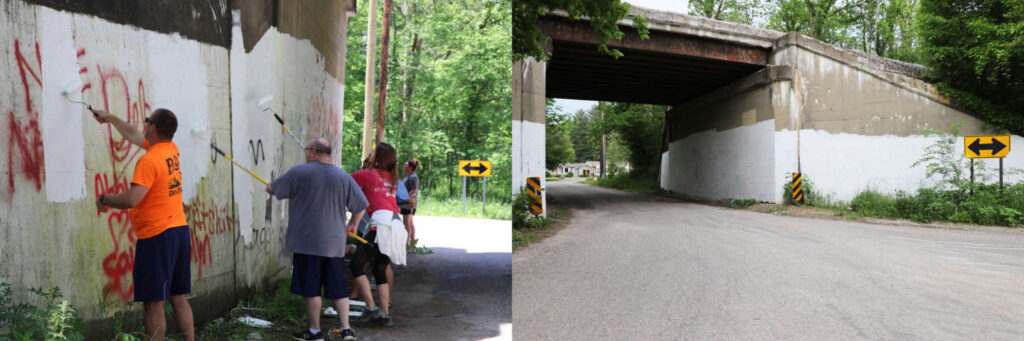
(56, 159)
(857, 125)
(848, 121)
(722, 144)
(528, 115)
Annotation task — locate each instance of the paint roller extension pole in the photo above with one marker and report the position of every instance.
(360, 239)
(279, 120)
(221, 152)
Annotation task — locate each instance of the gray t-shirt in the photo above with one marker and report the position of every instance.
(319, 193)
(412, 183)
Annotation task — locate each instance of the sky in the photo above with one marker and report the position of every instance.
(570, 106)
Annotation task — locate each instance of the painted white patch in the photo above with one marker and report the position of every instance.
(528, 148)
(178, 75)
(730, 164)
(240, 131)
(60, 119)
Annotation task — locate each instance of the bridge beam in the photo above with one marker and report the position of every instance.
(580, 32)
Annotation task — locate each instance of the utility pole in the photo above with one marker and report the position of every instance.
(371, 52)
(603, 165)
(382, 88)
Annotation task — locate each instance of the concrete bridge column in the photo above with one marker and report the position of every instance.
(528, 108)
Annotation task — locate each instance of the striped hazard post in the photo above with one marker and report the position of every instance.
(536, 200)
(798, 192)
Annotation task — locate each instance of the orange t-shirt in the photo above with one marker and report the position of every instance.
(162, 207)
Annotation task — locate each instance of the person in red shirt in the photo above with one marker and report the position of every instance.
(161, 268)
(379, 183)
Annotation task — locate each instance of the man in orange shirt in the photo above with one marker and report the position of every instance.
(162, 270)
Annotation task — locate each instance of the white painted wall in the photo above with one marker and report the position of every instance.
(310, 101)
(528, 150)
(729, 164)
(55, 159)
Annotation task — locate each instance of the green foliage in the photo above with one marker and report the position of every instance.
(570, 175)
(55, 319)
(451, 206)
(418, 249)
(945, 161)
(975, 50)
(639, 182)
(558, 140)
(882, 27)
(741, 11)
(806, 187)
(448, 92)
(740, 203)
(603, 15)
(640, 127)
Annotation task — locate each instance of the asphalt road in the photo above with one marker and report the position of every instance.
(460, 292)
(638, 267)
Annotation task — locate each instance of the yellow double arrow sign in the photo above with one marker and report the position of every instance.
(474, 168)
(994, 146)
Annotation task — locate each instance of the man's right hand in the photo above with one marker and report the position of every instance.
(101, 116)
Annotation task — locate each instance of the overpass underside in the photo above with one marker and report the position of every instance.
(750, 106)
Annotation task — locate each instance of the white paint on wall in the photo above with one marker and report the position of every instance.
(729, 164)
(840, 166)
(528, 147)
(60, 119)
(240, 129)
(178, 75)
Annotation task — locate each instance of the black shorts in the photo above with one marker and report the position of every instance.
(311, 273)
(162, 265)
(412, 211)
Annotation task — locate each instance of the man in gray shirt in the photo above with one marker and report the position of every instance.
(319, 194)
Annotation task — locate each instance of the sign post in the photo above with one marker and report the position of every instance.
(987, 147)
(474, 168)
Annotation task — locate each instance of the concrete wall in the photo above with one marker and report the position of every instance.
(56, 159)
(722, 143)
(850, 122)
(858, 120)
(528, 112)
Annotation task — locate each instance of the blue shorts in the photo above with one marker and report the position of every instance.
(311, 273)
(162, 265)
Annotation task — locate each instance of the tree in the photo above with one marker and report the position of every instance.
(741, 11)
(558, 143)
(449, 98)
(825, 20)
(585, 136)
(975, 52)
(603, 15)
(640, 127)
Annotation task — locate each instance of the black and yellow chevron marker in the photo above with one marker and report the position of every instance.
(798, 193)
(536, 199)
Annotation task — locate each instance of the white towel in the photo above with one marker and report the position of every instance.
(391, 235)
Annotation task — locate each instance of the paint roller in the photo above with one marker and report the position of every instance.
(73, 85)
(264, 105)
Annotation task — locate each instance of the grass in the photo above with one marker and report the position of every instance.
(632, 182)
(536, 229)
(284, 309)
(452, 207)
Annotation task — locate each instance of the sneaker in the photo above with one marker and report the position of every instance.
(368, 315)
(385, 321)
(348, 334)
(305, 335)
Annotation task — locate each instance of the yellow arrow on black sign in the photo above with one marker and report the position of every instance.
(474, 168)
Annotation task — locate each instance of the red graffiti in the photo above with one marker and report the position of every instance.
(322, 118)
(25, 139)
(118, 264)
(206, 220)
